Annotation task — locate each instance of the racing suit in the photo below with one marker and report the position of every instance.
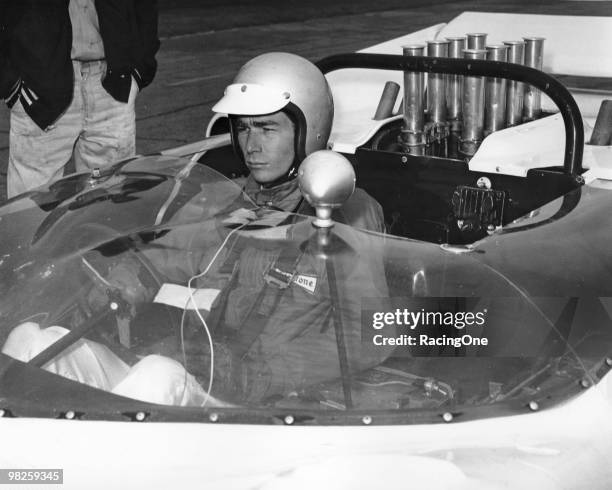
(273, 321)
(359, 211)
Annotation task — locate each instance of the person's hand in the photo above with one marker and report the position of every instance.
(122, 277)
(198, 363)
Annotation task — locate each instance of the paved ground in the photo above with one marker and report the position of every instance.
(204, 42)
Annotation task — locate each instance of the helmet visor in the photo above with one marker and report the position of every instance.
(251, 99)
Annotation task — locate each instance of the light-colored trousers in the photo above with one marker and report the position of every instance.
(154, 378)
(96, 130)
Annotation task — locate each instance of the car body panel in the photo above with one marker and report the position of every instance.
(560, 448)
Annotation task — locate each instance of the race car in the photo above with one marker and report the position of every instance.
(469, 346)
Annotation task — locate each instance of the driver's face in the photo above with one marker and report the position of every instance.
(267, 145)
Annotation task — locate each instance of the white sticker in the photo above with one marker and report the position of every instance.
(307, 282)
(178, 296)
(240, 217)
(264, 217)
(268, 220)
(273, 233)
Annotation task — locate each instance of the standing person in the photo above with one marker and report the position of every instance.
(70, 71)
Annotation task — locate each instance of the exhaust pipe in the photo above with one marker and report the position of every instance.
(534, 56)
(454, 85)
(436, 128)
(495, 93)
(476, 40)
(602, 132)
(412, 134)
(473, 107)
(387, 101)
(514, 97)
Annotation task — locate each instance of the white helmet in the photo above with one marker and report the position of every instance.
(282, 81)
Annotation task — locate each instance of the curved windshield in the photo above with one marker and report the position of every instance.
(167, 285)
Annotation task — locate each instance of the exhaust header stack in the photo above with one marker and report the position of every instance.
(515, 91)
(454, 92)
(473, 107)
(452, 114)
(534, 56)
(413, 127)
(495, 93)
(437, 120)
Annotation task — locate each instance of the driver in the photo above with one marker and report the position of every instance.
(272, 336)
(281, 109)
(278, 338)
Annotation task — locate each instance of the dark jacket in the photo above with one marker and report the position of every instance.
(35, 44)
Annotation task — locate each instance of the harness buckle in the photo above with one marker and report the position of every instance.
(279, 278)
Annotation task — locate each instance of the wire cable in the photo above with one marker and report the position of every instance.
(191, 300)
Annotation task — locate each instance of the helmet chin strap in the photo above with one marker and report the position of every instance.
(289, 175)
